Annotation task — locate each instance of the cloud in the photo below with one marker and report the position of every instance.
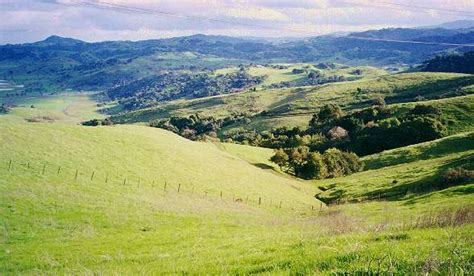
(31, 20)
(264, 14)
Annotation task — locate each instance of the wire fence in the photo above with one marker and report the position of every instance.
(97, 177)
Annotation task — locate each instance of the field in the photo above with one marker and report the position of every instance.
(134, 199)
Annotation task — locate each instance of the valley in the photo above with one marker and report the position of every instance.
(219, 155)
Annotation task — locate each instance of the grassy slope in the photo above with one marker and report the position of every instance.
(54, 223)
(408, 172)
(294, 107)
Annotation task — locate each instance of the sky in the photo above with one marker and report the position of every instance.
(98, 20)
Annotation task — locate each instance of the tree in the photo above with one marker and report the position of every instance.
(379, 102)
(326, 114)
(280, 158)
(314, 168)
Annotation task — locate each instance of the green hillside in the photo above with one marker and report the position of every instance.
(117, 215)
(406, 173)
(294, 106)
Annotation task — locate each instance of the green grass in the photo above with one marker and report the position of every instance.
(53, 223)
(405, 173)
(294, 106)
(64, 108)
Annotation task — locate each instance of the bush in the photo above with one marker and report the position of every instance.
(4, 108)
(458, 175)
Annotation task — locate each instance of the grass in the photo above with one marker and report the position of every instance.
(294, 106)
(405, 173)
(66, 108)
(53, 223)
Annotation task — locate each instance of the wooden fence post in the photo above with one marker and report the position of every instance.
(106, 178)
(259, 201)
(75, 176)
(59, 169)
(9, 165)
(28, 165)
(279, 205)
(124, 181)
(179, 187)
(92, 176)
(164, 187)
(221, 194)
(44, 168)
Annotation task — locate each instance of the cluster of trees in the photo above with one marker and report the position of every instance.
(312, 78)
(97, 122)
(197, 127)
(457, 63)
(174, 85)
(314, 165)
(364, 132)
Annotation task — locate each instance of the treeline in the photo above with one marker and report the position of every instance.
(174, 85)
(197, 127)
(333, 140)
(312, 78)
(367, 131)
(456, 63)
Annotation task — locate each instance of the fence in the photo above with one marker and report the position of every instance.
(93, 177)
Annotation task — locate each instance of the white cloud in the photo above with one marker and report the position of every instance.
(30, 20)
(257, 13)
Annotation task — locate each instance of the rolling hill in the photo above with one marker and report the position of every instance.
(65, 63)
(116, 215)
(295, 106)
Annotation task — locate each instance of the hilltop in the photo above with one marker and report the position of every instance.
(66, 63)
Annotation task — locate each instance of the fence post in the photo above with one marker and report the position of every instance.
(259, 201)
(28, 165)
(124, 181)
(44, 168)
(75, 176)
(179, 187)
(106, 178)
(221, 194)
(164, 187)
(9, 165)
(59, 169)
(320, 206)
(92, 176)
(279, 205)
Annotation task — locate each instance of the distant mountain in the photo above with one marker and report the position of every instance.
(459, 24)
(58, 62)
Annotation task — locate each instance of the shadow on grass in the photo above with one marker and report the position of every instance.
(263, 166)
(421, 188)
(435, 149)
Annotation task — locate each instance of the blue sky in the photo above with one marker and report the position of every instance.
(28, 20)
